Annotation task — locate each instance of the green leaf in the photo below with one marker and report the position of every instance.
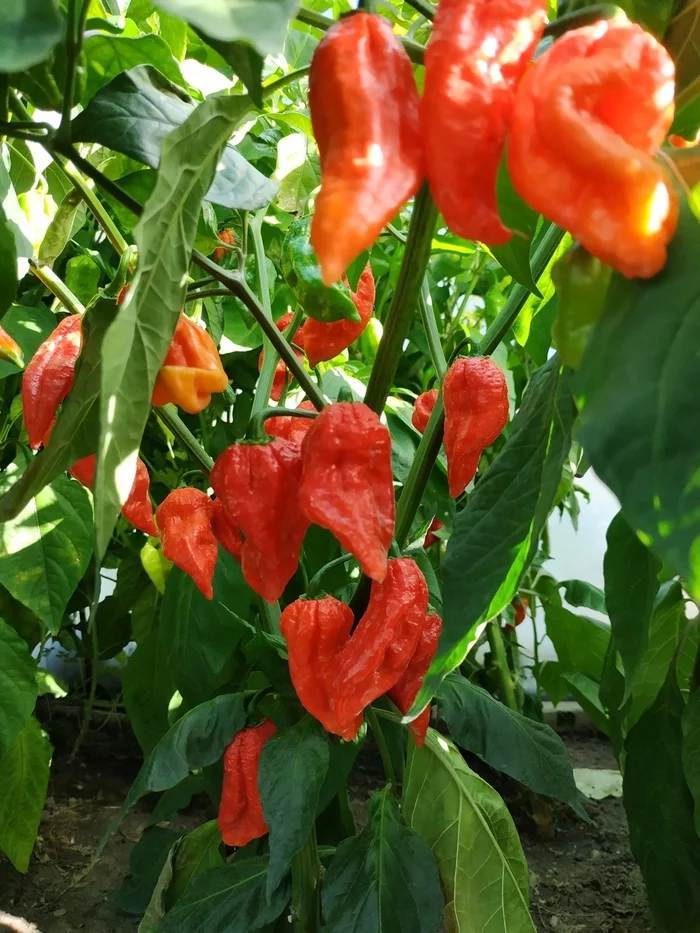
(293, 766)
(244, 61)
(481, 863)
(137, 111)
(631, 584)
(196, 853)
(659, 809)
(69, 218)
(691, 751)
(639, 391)
(146, 862)
(226, 900)
(580, 642)
(384, 879)
(46, 548)
(519, 217)
(581, 594)
(263, 24)
(140, 337)
(18, 687)
(8, 263)
(83, 277)
(24, 777)
(29, 29)
(528, 751)
(148, 687)
(495, 535)
(108, 56)
(29, 327)
(199, 636)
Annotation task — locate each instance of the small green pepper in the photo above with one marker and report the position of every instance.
(369, 339)
(303, 275)
(582, 283)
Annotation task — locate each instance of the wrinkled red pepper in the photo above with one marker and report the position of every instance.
(430, 538)
(325, 341)
(289, 427)
(185, 519)
(227, 534)
(406, 690)
(241, 817)
(137, 509)
(423, 409)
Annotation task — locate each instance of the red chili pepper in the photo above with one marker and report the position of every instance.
(10, 350)
(475, 394)
(122, 294)
(257, 486)
(477, 53)
(137, 509)
(430, 538)
(289, 427)
(364, 109)
(423, 409)
(680, 143)
(520, 605)
(49, 377)
(185, 519)
(406, 690)
(347, 482)
(226, 236)
(325, 341)
(241, 816)
(191, 371)
(227, 534)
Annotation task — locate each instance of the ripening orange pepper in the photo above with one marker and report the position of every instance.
(228, 237)
(589, 116)
(10, 350)
(191, 371)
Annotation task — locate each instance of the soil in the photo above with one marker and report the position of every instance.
(583, 879)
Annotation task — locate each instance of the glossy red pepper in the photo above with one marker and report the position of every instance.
(520, 605)
(191, 371)
(325, 341)
(137, 509)
(257, 485)
(227, 534)
(347, 483)
(406, 690)
(49, 377)
(477, 53)
(289, 427)
(241, 816)
(10, 350)
(185, 519)
(423, 409)
(430, 538)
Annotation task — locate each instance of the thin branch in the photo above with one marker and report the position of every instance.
(57, 287)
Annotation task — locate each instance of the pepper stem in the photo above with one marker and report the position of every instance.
(314, 587)
(305, 909)
(256, 431)
(57, 287)
(382, 745)
(500, 663)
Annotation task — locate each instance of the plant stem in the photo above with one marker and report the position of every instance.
(500, 663)
(270, 615)
(59, 289)
(269, 89)
(306, 915)
(207, 293)
(170, 418)
(267, 373)
(404, 300)
(585, 17)
(382, 745)
(256, 422)
(314, 585)
(93, 202)
(431, 332)
(414, 50)
(419, 474)
(423, 7)
(74, 43)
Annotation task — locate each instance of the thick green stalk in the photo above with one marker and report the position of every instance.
(170, 418)
(423, 7)
(256, 429)
(500, 663)
(414, 50)
(585, 17)
(97, 208)
(57, 287)
(432, 334)
(77, 15)
(305, 908)
(269, 89)
(404, 300)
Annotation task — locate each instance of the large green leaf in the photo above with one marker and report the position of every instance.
(148, 687)
(29, 327)
(639, 388)
(465, 822)
(691, 751)
(146, 862)
(582, 594)
(529, 751)
(24, 777)
(136, 112)
(29, 29)
(8, 263)
(46, 548)
(495, 535)
(200, 635)
(226, 900)
(659, 809)
(580, 642)
(293, 767)
(384, 879)
(107, 56)
(245, 62)
(17, 685)
(631, 585)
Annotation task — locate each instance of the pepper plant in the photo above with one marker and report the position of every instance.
(318, 574)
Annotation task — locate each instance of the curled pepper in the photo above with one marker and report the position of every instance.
(257, 485)
(303, 275)
(347, 483)
(475, 394)
(289, 427)
(191, 371)
(49, 377)
(137, 509)
(226, 533)
(406, 690)
(364, 109)
(423, 409)
(477, 53)
(589, 116)
(241, 816)
(185, 520)
(582, 283)
(10, 350)
(325, 341)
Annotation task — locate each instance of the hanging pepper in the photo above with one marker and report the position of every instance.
(289, 427)
(226, 533)
(347, 483)
(477, 53)
(302, 273)
(325, 341)
(423, 409)
(475, 394)
(431, 538)
(49, 377)
(336, 674)
(406, 690)
(121, 297)
(589, 116)
(10, 350)
(520, 605)
(282, 375)
(228, 237)
(241, 816)
(364, 109)
(191, 371)
(137, 509)
(582, 283)
(257, 485)
(185, 520)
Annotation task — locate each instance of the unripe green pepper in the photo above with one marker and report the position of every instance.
(369, 339)
(582, 283)
(303, 275)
